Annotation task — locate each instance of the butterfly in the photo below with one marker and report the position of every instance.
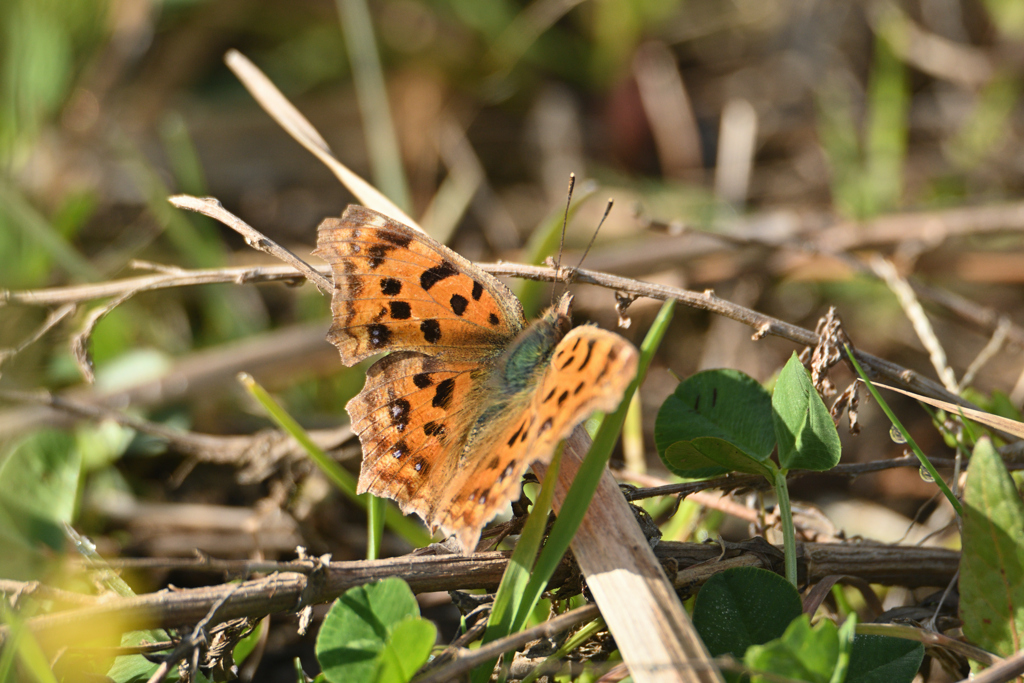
(470, 395)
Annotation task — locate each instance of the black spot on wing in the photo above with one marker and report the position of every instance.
(399, 450)
(432, 276)
(353, 282)
(458, 304)
(443, 393)
(399, 412)
(567, 363)
(548, 397)
(590, 349)
(398, 239)
(389, 286)
(493, 319)
(561, 399)
(379, 335)
(579, 388)
(516, 435)
(400, 310)
(478, 290)
(376, 254)
(434, 428)
(526, 432)
(431, 330)
(422, 380)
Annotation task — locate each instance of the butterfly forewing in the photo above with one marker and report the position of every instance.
(397, 289)
(589, 370)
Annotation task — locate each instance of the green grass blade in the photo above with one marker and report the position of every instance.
(35, 227)
(375, 512)
(577, 639)
(886, 135)
(342, 478)
(786, 521)
(585, 483)
(510, 593)
(939, 481)
(372, 95)
(22, 643)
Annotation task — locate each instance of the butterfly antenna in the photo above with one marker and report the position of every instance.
(561, 242)
(593, 238)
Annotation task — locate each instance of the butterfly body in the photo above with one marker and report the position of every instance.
(520, 364)
(470, 395)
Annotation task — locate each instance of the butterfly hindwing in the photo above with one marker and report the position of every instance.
(412, 418)
(398, 289)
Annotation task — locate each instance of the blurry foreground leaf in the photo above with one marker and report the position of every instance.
(38, 489)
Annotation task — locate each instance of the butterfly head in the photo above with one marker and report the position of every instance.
(561, 314)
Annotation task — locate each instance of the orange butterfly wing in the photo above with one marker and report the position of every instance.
(447, 429)
(589, 370)
(397, 289)
(412, 418)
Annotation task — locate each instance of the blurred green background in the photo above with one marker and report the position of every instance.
(776, 123)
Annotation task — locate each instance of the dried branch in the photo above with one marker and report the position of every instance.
(286, 351)
(295, 124)
(733, 482)
(822, 235)
(54, 317)
(883, 564)
(467, 659)
(912, 308)
(258, 453)
(254, 238)
(761, 323)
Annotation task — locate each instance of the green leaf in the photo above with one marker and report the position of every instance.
(136, 668)
(992, 560)
(847, 632)
(881, 659)
(725, 404)
(742, 607)
(691, 458)
(803, 426)
(803, 653)
(245, 646)
(406, 650)
(38, 491)
(355, 631)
